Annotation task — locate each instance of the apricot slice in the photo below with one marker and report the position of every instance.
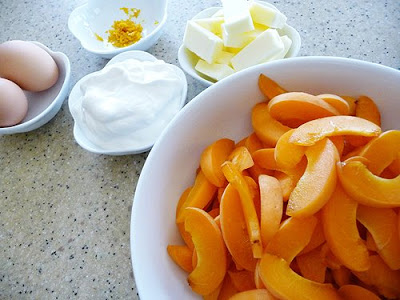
(312, 265)
(381, 277)
(339, 219)
(351, 101)
(394, 167)
(290, 177)
(293, 235)
(265, 158)
(269, 87)
(253, 143)
(185, 235)
(182, 256)
(284, 283)
(288, 155)
(241, 158)
(243, 280)
(337, 102)
(341, 276)
(317, 238)
(253, 227)
(382, 224)
(300, 106)
(210, 248)
(271, 206)
(182, 200)
(315, 130)
(356, 292)
(212, 158)
(227, 289)
(367, 109)
(199, 196)
(388, 143)
(256, 294)
(318, 181)
(234, 229)
(257, 278)
(268, 129)
(367, 188)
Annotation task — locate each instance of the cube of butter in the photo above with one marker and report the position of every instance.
(287, 43)
(214, 71)
(212, 24)
(265, 15)
(224, 58)
(267, 45)
(202, 42)
(237, 17)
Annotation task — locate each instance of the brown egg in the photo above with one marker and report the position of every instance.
(13, 103)
(28, 65)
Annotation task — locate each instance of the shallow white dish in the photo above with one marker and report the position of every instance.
(172, 163)
(97, 16)
(43, 106)
(188, 59)
(76, 95)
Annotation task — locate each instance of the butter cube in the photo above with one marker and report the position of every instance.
(218, 13)
(287, 43)
(267, 45)
(238, 40)
(214, 71)
(202, 42)
(237, 17)
(212, 24)
(224, 58)
(265, 15)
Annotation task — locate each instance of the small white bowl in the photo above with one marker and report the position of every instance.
(188, 59)
(76, 95)
(97, 16)
(44, 105)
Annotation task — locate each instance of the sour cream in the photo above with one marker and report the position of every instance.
(127, 104)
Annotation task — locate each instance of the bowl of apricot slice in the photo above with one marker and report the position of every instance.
(280, 182)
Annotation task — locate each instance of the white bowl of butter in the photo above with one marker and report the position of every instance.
(220, 41)
(123, 108)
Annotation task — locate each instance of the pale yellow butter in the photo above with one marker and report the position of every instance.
(214, 71)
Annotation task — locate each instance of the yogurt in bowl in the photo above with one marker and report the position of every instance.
(123, 108)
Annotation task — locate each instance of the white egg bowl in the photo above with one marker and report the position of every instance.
(224, 110)
(76, 95)
(97, 16)
(188, 59)
(44, 105)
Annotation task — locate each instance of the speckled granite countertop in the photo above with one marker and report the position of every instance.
(64, 212)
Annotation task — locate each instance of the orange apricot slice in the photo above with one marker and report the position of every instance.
(284, 283)
(312, 265)
(185, 235)
(269, 87)
(356, 292)
(317, 238)
(241, 158)
(182, 256)
(339, 219)
(394, 167)
(337, 102)
(271, 206)
(268, 129)
(211, 159)
(257, 277)
(253, 143)
(243, 280)
(256, 294)
(234, 229)
(338, 141)
(199, 196)
(300, 106)
(293, 235)
(388, 143)
(315, 130)
(210, 249)
(341, 276)
(352, 104)
(318, 181)
(253, 227)
(367, 188)
(381, 277)
(290, 177)
(367, 109)
(265, 158)
(182, 200)
(227, 289)
(288, 155)
(382, 224)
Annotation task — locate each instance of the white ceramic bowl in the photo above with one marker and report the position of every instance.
(43, 106)
(97, 16)
(171, 164)
(188, 59)
(76, 96)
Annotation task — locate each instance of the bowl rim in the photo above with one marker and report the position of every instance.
(183, 57)
(80, 137)
(111, 52)
(26, 126)
(145, 175)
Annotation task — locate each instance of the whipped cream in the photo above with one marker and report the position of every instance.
(127, 104)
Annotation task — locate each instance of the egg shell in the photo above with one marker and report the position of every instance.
(28, 65)
(13, 103)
